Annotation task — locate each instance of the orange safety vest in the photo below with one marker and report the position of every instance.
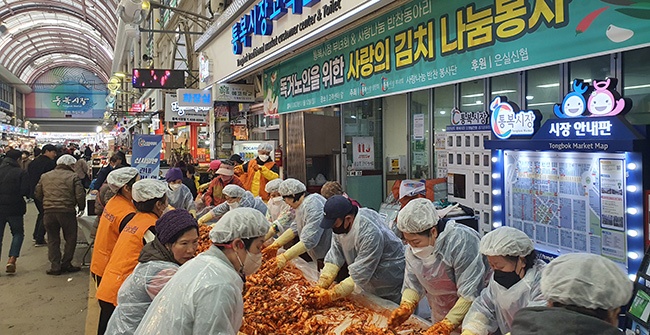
(108, 231)
(125, 256)
(254, 181)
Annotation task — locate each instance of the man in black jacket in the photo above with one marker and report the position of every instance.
(41, 164)
(14, 185)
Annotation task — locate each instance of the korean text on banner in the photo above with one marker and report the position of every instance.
(146, 155)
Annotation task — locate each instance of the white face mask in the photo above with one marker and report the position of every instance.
(423, 253)
(175, 187)
(263, 158)
(233, 205)
(252, 263)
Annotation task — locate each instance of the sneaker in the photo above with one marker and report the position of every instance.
(71, 269)
(40, 244)
(53, 272)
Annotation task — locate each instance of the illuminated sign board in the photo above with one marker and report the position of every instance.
(508, 120)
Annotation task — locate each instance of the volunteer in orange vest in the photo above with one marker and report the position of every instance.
(150, 199)
(257, 172)
(118, 210)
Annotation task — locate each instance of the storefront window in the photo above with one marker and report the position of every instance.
(443, 103)
(507, 86)
(472, 96)
(420, 134)
(636, 84)
(589, 69)
(363, 120)
(543, 90)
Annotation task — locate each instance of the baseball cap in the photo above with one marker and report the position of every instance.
(335, 207)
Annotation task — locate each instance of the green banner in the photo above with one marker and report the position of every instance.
(432, 42)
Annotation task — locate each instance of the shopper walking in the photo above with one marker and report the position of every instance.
(14, 186)
(43, 163)
(81, 169)
(60, 190)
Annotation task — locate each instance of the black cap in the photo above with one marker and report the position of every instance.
(15, 154)
(335, 207)
(237, 159)
(48, 147)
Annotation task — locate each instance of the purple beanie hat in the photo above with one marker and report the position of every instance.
(172, 222)
(174, 174)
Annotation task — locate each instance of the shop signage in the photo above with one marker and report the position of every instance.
(235, 93)
(598, 99)
(175, 113)
(469, 121)
(191, 98)
(247, 150)
(146, 155)
(204, 67)
(507, 119)
(363, 153)
(222, 112)
(415, 46)
(137, 108)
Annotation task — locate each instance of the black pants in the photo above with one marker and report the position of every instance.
(54, 223)
(39, 228)
(104, 315)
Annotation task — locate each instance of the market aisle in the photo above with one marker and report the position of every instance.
(34, 303)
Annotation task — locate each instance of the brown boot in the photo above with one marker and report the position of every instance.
(11, 265)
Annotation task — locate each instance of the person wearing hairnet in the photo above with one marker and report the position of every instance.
(235, 197)
(446, 266)
(150, 200)
(207, 291)
(279, 213)
(257, 172)
(117, 212)
(179, 196)
(177, 237)
(514, 285)
(584, 294)
(314, 240)
(375, 256)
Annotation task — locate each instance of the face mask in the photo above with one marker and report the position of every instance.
(263, 158)
(252, 263)
(423, 253)
(341, 229)
(233, 205)
(175, 187)
(506, 279)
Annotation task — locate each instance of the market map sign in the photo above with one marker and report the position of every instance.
(429, 43)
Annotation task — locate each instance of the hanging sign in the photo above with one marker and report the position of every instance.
(193, 98)
(469, 121)
(146, 155)
(175, 113)
(235, 93)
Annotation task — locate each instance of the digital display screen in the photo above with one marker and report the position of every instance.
(158, 78)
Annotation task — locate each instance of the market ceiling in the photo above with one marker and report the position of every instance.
(39, 35)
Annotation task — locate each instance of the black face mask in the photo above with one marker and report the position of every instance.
(340, 229)
(506, 279)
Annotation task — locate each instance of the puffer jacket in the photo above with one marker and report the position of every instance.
(14, 184)
(60, 190)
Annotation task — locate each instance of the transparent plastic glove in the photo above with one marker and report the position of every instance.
(327, 275)
(410, 299)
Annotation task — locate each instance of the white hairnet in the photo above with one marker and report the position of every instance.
(265, 147)
(119, 177)
(506, 241)
(417, 216)
(147, 189)
(586, 280)
(66, 160)
(239, 223)
(233, 191)
(273, 185)
(291, 186)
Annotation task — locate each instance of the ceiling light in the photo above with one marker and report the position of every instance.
(503, 92)
(541, 104)
(549, 85)
(120, 74)
(636, 87)
(529, 97)
(473, 95)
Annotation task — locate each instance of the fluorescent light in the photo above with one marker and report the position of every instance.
(530, 97)
(119, 74)
(541, 104)
(297, 43)
(549, 85)
(473, 95)
(473, 104)
(503, 92)
(443, 112)
(636, 87)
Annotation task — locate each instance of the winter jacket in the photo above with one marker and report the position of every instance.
(14, 184)
(101, 176)
(36, 169)
(558, 320)
(60, 190)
